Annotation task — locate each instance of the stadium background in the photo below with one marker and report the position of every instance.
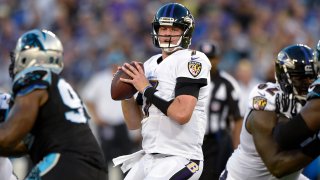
(97, 32)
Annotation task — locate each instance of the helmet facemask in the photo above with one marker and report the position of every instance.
(175, 15)
(296, 69)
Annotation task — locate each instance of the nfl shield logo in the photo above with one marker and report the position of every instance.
(194, 68)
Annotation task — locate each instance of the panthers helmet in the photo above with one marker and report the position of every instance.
(173, 14)
(37, 48)
(296, 68)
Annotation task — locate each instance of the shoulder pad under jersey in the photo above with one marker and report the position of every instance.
(263, 97)
(4, 105)
(30, 79)
(4, 100)
(314, 90)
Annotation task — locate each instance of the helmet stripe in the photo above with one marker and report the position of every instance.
(43, 34)
(165, 11)
(306, 54)
(172, 9)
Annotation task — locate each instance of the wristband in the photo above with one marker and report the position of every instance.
(160, 103)
(144, 90)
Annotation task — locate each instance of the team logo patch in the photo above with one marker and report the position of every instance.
(194, 68)
(259, 103)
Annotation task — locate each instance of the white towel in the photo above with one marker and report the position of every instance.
(128, 161)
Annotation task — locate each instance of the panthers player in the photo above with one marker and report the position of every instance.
(47, 119)
(173, 91)
(258, 155)
(6, 170)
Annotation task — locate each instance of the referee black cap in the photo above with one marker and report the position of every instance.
(209, 48)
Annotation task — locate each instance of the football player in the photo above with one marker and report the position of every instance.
(170, 107)
(47, 119)
(303, 130)
(6, 169)
(258, 155)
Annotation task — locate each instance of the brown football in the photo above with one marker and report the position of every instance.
(121, 90)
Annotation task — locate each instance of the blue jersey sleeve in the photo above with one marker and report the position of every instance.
(314, 90)
(30, 80)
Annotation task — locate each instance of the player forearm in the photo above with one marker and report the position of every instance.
(132, 113)
(291, 134)
(179, 109)
(278, 162)
(16, 151)
(310, 113)
(286, 162)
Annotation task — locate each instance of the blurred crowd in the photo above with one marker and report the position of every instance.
(97, 32)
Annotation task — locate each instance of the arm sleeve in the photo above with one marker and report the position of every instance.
(187, 86)
(30, 80)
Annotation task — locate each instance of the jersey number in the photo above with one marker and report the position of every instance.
(271, 91)
(72, 100)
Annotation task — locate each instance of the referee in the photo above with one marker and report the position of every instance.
(224, 119)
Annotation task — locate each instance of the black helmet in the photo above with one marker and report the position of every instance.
(294, 65)
(173, 14)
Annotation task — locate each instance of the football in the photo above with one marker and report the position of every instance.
(121, 90)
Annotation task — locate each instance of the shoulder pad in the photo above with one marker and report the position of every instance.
(4, 100)
(30, 79)
(4, 105)
(314, 90)
(263, 97)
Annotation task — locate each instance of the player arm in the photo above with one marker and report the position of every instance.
(19, 150)
(302, 131)
(180, 108)
(21, 119)
(305, 124)
(132, 113)
(280, 163)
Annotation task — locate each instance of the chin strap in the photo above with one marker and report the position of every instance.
(171, 50)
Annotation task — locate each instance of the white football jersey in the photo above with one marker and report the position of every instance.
(245, 162)
(4, 100)
(160, 133)
(5, 164)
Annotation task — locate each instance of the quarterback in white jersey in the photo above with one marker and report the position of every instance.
(170, 107)
(162, 134)
(258, 157)
(6, 169)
